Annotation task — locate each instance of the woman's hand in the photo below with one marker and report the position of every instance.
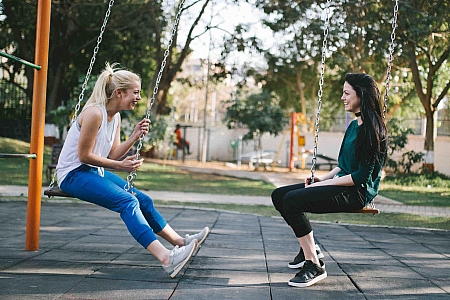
(129, 164)
(141, 128)
(308, 181)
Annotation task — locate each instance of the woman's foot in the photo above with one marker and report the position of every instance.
(310, 274)
(200, 237)
(299, 260)
(179, 257)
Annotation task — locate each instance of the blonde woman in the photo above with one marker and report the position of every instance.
(93, 145)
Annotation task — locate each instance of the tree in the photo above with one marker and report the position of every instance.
(359, 35)
(357, 42)
(424, 35)
(260, 113)
(75, 26)
(136, 36)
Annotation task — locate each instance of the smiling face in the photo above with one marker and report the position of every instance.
(351, 100)
(131, 96)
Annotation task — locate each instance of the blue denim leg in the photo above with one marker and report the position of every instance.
(84, 183)
(153, 217)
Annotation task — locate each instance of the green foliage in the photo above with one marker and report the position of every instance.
(160, 130)
(260, 113)
(397, 141)
(74, 31)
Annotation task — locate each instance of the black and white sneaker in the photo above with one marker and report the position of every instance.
(309, 274)
(299, 260)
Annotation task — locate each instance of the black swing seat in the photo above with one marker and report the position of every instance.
(55, 192)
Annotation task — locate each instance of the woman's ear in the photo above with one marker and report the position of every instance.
(119, 93)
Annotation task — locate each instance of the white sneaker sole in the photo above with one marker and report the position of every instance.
(309, 283)
(204, 237)
(180, 266)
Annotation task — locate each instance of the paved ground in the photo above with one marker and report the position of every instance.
(86, 253)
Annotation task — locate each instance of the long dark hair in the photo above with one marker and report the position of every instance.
(371, 141)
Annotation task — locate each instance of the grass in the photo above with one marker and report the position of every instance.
(432, 189)
(383, 219)
(429, 190)
(168, 178)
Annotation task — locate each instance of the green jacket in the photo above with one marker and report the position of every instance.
(364, 173)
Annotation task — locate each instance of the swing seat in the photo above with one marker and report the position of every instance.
(367, 210)
(55, 192)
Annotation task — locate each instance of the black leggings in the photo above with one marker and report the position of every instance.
(294, 201)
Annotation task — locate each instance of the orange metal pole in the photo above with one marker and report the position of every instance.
(37, 125)
(291, 145)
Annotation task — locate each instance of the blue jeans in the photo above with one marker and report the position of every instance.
(137, 212)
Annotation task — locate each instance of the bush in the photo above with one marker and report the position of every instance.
(396, 143)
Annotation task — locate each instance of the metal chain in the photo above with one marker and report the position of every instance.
(388, 71)
(132, 176)
(88, 73)
(390, 59)
(320, 92)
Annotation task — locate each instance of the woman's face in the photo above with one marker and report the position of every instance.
(351, 100)
(131, 96)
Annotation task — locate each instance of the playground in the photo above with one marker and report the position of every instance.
(241, 259)
(86, 252)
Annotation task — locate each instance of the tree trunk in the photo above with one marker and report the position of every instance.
(430, 132)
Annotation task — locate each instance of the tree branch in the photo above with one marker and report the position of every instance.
(441, 95)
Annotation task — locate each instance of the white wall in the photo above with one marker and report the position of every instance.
(329, 142)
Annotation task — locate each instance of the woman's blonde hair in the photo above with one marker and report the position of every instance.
(110, 80)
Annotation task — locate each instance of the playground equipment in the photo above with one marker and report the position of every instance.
(299, 120)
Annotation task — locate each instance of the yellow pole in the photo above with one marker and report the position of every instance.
(37, 125)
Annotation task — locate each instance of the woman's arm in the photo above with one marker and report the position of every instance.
(90, 121)
(341, 181)
(118, 149)
(328, 176)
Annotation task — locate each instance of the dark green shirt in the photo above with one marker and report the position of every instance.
(363, 172)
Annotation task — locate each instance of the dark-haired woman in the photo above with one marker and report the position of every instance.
(350, 186)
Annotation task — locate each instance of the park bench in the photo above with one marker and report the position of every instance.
(266, 158)
(326, 161)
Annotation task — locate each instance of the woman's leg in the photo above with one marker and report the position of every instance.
(294, 200)
(84, 183)
(151, 214)
(279, 194)
(322, 199)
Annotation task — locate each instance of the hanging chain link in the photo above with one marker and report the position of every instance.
(390, 60)
(320, 92)
(132, 176)
(88, 73)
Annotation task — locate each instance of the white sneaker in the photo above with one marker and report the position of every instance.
(179, 257)
(200, 237)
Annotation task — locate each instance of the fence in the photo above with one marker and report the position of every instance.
(15, 106)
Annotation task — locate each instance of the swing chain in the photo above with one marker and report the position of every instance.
(320, 92)
(88, 73)
(132, 176)
(390, 59)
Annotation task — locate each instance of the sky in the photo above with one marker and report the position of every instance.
(226, 18)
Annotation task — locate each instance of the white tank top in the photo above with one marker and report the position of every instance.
(68, 159)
